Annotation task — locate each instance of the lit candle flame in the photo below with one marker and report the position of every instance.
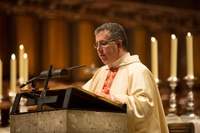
(173, 36)
(13, 57)
(21, 46)
(25, 55)
(153, 39)
(188, 34)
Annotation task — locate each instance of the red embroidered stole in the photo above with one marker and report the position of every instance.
(109, 79)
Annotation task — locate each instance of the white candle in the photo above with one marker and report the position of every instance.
(25, 68)
(21, 64)
(13, 74)
(189, 49)
(1, 81)
(154, 57)
(173, 69)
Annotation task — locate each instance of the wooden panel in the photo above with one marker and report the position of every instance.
(87, 53)
(5, 50)
(26, 27)
(196, 56)
(55, 45)
(164, 46)
(141, 45)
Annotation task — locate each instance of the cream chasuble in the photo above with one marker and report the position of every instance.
(135, 86)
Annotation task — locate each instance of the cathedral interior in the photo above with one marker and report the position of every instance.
(61, 33)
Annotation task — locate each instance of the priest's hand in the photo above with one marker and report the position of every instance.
(102, 94)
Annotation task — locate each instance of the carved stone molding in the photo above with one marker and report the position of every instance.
(128, 13)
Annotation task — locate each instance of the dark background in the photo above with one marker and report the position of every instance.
(60, 32)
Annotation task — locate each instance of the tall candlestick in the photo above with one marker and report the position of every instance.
(173, 69)
(189, 48)
(13, 74)
(21, 64)
(154, 57)
(25, 68)
(190, 78)
(1, 75)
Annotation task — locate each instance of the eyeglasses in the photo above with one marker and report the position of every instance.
(102, 43)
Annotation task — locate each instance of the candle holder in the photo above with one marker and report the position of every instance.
(22, 103)
(20, 81)
(12, 96)
(172, 101)
(1, 97)
(190, 98)
(91, 70)
(157, 81)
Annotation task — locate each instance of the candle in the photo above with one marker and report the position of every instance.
(25, 68)
(21, 64)
(189, 48)
(1, 75)
(154, 57)
(13, 74)
(173, 69)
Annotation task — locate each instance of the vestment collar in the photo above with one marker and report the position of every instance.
(124, 60)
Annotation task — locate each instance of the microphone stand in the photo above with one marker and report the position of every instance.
(33, 85)
(43, 94)
(32, 81)
(43, 99)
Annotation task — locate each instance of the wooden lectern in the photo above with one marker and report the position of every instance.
(72, 110)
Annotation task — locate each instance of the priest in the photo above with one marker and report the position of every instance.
(125, 80)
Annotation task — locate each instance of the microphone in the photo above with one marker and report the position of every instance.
(59, 73)
(53, 73)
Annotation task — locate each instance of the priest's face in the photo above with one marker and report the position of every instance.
(107, 48)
